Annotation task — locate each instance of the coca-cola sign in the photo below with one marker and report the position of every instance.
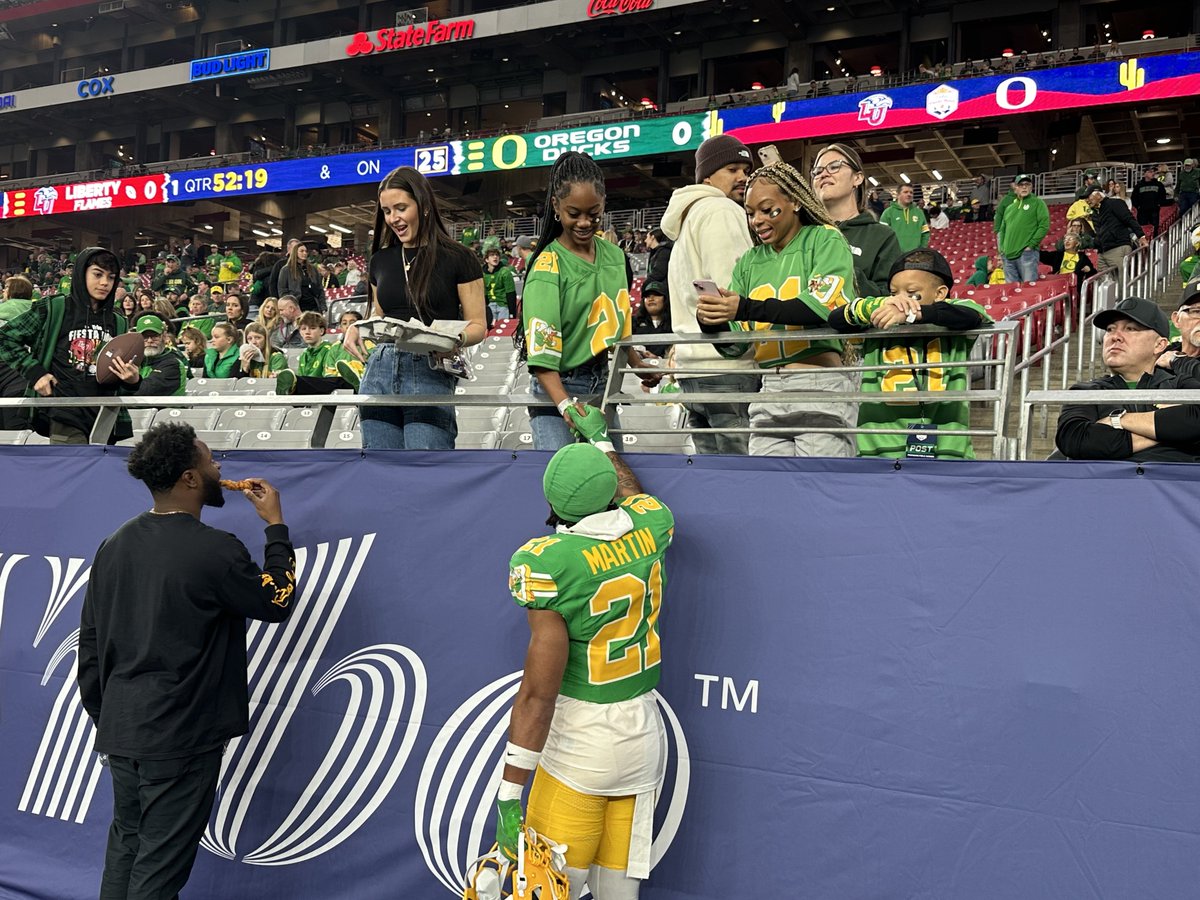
(598, 8)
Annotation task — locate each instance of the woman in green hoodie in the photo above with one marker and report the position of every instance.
(837, 178)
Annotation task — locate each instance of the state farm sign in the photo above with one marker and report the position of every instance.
(598, 8)
(428, 34)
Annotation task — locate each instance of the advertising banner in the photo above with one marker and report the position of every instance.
(938, 680)
(927, 105)
(112, 193)
(1134, 80)
(603, 142)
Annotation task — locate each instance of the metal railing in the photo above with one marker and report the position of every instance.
(1000, 337)
(1136, 397)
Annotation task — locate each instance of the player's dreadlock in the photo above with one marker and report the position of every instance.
(796, 188)
(570, 169)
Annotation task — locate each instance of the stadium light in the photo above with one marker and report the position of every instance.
(259, 232)
(318, 229)
(874, 181)
(277, 231)
(905, 178)
(937, 174)
(342, 228)
(1163, 141)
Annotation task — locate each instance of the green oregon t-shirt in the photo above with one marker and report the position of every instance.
(903, 354)
(609, 593)
(573, 310)
(815, 268)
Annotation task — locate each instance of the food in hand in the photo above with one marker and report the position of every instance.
(236, 485)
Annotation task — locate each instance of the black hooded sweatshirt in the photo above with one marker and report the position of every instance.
(85, 328)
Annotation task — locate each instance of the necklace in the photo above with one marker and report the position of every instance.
(407, 263)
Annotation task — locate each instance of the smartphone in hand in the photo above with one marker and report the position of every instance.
(706, 286)
(769, 155)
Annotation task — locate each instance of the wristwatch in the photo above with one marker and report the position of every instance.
(1114, 419)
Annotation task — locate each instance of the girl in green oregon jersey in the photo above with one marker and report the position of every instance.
(575, 303)
(797, 274)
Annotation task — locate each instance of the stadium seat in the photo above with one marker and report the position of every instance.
(658, 443)
(516, 440)
(476, 440)
(516, 419)
(16, 437)
(276, 440)
(479, 418)
(219, 440)
(256, 385)
(200, 419)
(34, 438)
(210, 385)
(255, 419)
(141, 418)
(344, 440)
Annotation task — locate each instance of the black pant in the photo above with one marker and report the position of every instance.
(1148, 215)
(160, 810)
(319, 384)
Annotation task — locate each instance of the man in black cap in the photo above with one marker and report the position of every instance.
(1116, 229)
(164, 372)
(1091, 179)
(172, 278)
(707, 222)
(1135, 336)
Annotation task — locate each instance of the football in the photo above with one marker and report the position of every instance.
(130, 346)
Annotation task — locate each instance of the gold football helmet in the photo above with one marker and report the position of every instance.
(538, 873)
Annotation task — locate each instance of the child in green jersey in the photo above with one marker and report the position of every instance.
(920, 281)
(792, 280)
(323, 367)
(575, 304)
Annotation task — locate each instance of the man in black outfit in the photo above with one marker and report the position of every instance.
(1135, 338)
(162, 656)
(1116, 229)
(1149, 196)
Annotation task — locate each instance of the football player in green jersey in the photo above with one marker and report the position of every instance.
(920, 282)
(797, 274)
(584, 719)
(575, 303)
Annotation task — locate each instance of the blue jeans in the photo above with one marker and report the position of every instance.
(1023, 268)
(585, 383)
(392, 371)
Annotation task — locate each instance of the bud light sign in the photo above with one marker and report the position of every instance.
(233, 64)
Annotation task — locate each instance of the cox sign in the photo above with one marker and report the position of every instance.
(97, 87)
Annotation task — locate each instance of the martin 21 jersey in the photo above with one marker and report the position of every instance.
(609, 593)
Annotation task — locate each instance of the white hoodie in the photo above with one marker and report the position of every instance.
(710, 235)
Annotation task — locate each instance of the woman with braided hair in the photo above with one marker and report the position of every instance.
(798, 272)
(575, 304)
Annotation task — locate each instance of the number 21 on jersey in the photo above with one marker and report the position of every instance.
(628, 645)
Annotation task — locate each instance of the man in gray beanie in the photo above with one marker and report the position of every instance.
(707, 222)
